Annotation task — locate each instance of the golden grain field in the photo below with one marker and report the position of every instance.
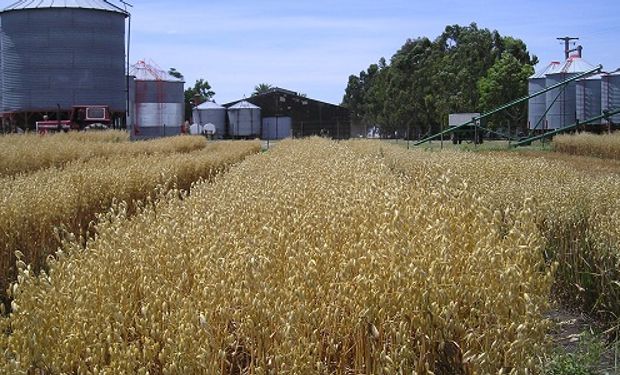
(314, 258)
(576, 211)
(35, 205)
(30, 152)
(323, 257)
(602, 146)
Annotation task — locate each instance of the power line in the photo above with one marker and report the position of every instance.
(567, 49)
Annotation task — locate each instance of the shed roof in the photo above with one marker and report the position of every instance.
(83, 4)
(281, 91)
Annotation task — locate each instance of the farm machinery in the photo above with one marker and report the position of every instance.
(470, 127)
(82, 117)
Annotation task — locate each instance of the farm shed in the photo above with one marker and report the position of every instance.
(308, 117)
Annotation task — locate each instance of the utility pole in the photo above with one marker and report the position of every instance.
(567, 49)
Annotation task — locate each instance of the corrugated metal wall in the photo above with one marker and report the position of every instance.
(562, 112)
(244, 122)
(277, 128)
(610, 94)
(62, 56)
(131, 113)
(160, 108)
(588, 95)
(537, 105)
(215, 115)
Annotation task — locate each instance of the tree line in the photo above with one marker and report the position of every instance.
(465, 69)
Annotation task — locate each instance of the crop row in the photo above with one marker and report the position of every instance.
(312, 258)
(31, 152)
(601, 146)
(576, 212)
(34, 206)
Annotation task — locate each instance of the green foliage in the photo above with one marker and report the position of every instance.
(505, 81)
(199, 93)
(262, 88)
(428, 79)
(201, 90)
(175, 73)
(582, 362)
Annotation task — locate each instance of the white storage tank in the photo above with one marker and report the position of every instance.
(211, 113)
(563, 110)
(588, 95)
(277, 128)
(610, 94)
(244, 119)
(159, 101)
(538, 105)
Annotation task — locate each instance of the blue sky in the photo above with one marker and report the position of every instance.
(313, 46)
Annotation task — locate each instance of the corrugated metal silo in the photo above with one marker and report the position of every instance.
(588, 95)
(160, 102)
(538, 105)
(610, 94)
(211, 112)
(245, 120)
(62, 53)
(563, 111)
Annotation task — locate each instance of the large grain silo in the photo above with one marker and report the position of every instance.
(245, 120)
(562, 101)
(159, 101)
(211, 112)
(610, 94)
(538, 105)
(588, 98)
(57, 54)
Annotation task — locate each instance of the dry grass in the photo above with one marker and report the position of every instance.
(313, 258)
(34, 205)
(587, 164)
(576, 210)
(605, 146)
(31, 152)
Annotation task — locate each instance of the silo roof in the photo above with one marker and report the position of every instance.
(244, 105)
(574, 64)
(593, 77)
(144, 71)
(210, 105)
(83, 4)
(552, 67)
(614, 73)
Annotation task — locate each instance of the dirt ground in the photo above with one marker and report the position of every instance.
(571, 333)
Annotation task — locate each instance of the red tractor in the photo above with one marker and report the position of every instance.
(83, 117)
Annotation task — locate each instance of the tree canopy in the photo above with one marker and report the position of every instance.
(261, 88)
(175, 73)
(462, 70)
(194, 95)
(200, 92)
(505, 81)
